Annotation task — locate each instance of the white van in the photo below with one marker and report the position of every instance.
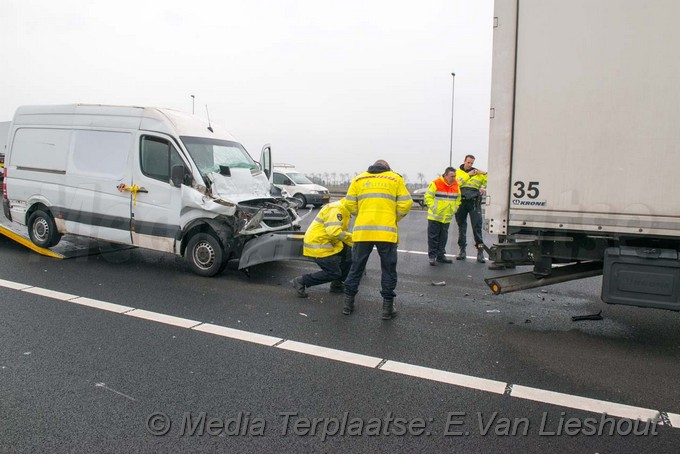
(286, 177)
(142, 176)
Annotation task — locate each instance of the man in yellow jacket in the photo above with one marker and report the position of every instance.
(329, 243)
(441, 201)
(379, 199)
(472, 184)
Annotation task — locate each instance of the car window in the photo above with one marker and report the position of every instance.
(299, 178)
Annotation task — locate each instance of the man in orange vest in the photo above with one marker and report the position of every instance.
(441, 200)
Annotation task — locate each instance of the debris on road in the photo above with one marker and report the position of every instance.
(438, 284)
(303, 314)
(577, 318)
(493, 311)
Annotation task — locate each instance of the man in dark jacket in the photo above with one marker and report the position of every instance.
(472, 184)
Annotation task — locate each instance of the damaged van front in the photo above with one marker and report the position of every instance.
(236, 187)
(231, 178)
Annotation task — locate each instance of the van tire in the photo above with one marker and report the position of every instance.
(205, 255)
(42, 229)
(302, 199)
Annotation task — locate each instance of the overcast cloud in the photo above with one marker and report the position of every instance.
(332, 85)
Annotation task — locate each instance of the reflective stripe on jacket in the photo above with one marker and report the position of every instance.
(328, 232)
(441, 200)
(379, 200)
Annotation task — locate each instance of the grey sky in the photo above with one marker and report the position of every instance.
(332, 85)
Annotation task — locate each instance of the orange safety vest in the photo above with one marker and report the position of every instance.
(441, 200)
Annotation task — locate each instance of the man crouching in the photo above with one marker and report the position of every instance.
(329, 243)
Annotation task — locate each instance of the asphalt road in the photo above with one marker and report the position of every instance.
(513, 370)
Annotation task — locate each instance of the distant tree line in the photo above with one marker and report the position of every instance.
(337, 181)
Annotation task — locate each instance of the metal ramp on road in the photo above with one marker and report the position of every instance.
(69, 247)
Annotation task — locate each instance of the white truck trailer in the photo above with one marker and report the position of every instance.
(584, 150)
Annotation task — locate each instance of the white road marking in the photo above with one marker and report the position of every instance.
(411, 252)
(162, 318)
(103, 386)
(674, 418)
(442, 376)
(330, 353)
(467, 381)
(13, 285)
(583, 403)
(49, 293)
(103, 305)
(237, 334)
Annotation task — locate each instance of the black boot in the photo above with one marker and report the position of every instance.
(480, 255)
(348, 308)
(461, 254)
(389, 311)
(337, 287)
(299, 287)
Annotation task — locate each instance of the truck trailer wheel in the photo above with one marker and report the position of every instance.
(42, 230)
(205, 255)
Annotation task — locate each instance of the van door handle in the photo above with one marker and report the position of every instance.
(134, 189)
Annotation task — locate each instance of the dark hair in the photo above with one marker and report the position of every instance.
(447, 170)
(469, 156)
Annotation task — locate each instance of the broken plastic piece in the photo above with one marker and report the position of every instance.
(577, 318)
(439, 284)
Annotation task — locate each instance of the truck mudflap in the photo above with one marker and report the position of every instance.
(522, 281)
(69, 246)
(271, 247)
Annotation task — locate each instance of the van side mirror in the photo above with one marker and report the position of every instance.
(177, 176)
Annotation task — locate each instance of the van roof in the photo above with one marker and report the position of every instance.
(157, 119)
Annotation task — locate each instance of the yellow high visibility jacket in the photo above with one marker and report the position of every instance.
(441, 200)
(466, 181)
(379, 200)
(328, 232)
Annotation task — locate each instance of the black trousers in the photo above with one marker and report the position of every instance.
(472, 208)
(388, 266)
(437, 236)
(333, 268)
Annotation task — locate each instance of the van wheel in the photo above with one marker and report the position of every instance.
(205, 255)
(42, 230)
(302, 199)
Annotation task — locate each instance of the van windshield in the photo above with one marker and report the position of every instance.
(210, 154)
(298, 178)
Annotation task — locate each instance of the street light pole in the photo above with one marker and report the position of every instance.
(193, 98)
(453, 86)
